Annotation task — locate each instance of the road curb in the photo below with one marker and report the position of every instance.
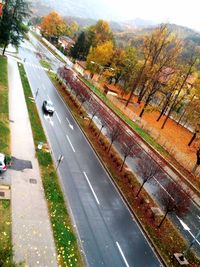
(154, 247)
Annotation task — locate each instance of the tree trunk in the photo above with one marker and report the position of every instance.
(163, 219)
(100, 131)
(142, 93)
(110, 146)
(91, 120)
(135, 83)
(145, 105)
(140, 188)
(192, 139)
(123, 163)
(4, 49)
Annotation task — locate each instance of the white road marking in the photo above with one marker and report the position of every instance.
(46, 117)
(122, 254)
(70, 143)
(49, 98)
(163, 187)
(51, 122)
(70, 125)
(95, 196)
(44, 87)
(186, 227)
(58, 116)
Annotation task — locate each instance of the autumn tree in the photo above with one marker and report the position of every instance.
(163, 57)
(174, 200)
(52, 25)
(101, 32)
(99, 57)
(130, 68)
(12, 28)
(159, 49)
(180, 85)
(147, 171)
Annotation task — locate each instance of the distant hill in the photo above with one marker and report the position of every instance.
(126, 32)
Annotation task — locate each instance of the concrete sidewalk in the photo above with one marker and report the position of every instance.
(32, 236)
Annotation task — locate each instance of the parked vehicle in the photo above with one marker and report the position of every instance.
(2, 162)
(48, 107)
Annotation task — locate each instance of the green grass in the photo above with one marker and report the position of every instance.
(133, 125)
(6, 253)
(45, 64)
(4, 117)
(64, 236)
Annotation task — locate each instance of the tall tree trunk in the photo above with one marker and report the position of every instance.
(185, 110)
(140, 188)
(145, 105)
(163, 109)
(180, 88)
(192, 139)
(123, 163)
(110, 146)
(163, 219)
(4, 49)
(100, 131)
(135, 83)
(141, 93)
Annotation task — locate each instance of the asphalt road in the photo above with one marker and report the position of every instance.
(108, 233)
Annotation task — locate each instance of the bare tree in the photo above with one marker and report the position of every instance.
(147, 171)
(129, 148)
(114, 132)
(174, 199)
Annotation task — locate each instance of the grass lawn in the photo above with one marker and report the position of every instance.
(45, 64)
(5, 234)
(4, 117)
(5, 216)
(68, 253)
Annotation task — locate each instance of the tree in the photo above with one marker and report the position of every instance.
(101, 32)
(81, 48)
(12, 28)
(129, 148)
(99, 56)
(52, 25)
(160, 49)
(114, 131)
(180, 84)
(147, 170)
(174, 199)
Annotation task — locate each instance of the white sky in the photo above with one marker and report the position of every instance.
(182, 12)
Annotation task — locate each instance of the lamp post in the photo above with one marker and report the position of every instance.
(181, 256)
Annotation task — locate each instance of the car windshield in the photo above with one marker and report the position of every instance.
(49, 104)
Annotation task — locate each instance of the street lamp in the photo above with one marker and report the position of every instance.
(181, 256)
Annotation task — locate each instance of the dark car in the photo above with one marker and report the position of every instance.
(48, 107)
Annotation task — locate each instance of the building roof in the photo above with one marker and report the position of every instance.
(67, 39)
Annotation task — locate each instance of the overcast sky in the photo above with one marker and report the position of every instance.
(182, 12)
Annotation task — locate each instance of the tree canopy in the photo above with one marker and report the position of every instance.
(12, 28)
(53, 25)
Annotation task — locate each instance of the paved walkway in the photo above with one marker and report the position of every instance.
(31, 230)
